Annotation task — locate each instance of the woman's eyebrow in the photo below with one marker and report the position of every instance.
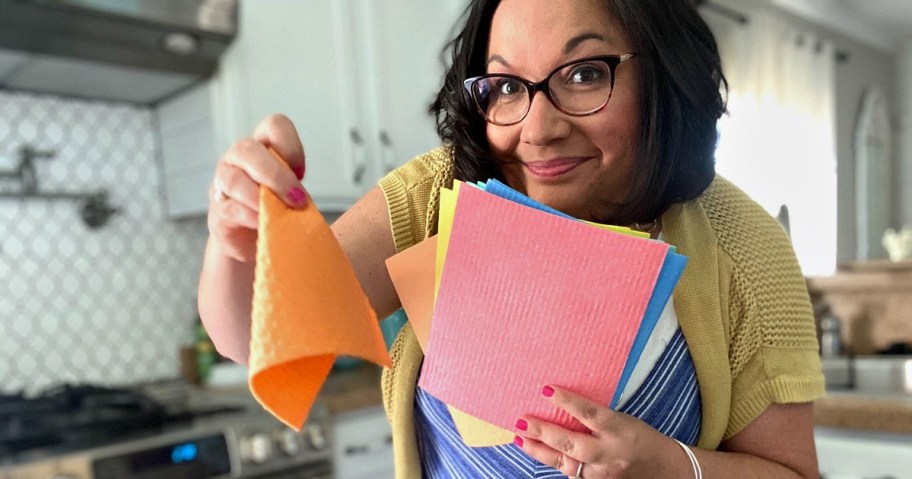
(498, 59)
(568, 47)
(577, 40)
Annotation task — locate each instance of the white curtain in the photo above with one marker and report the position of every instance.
(778, 141)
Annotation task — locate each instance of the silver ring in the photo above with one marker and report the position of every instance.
(579, 471)
(218, 193)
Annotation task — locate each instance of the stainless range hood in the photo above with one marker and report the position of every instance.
(136, 51)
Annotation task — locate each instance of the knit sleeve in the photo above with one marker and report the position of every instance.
(412, 194)
(412, 197)
(773, 347)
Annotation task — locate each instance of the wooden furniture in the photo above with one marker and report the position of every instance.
(873, 299)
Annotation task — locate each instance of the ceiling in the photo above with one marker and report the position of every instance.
(881, 24)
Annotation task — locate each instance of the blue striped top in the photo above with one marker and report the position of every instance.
(668, 400)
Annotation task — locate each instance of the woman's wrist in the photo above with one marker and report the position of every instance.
(696, 470)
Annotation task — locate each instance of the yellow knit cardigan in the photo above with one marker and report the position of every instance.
(742, 305)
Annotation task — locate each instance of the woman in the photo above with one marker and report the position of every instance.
(605, 110)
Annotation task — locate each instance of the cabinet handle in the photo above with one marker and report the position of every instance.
(360, 162)
(359, 174)
(389, 161)
(356, 137)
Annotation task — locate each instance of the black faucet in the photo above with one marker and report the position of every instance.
(25, 170)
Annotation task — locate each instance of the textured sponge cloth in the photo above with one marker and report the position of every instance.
(308, 307)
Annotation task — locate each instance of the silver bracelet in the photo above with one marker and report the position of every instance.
(698, 472)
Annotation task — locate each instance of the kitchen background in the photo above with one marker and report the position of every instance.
(114, 304)
(130, 284)
(111, 304)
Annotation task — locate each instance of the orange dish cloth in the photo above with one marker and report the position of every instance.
(308, 308)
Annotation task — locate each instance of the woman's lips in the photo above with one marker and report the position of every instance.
(553, 168)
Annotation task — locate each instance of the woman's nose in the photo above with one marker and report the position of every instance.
(544, 123)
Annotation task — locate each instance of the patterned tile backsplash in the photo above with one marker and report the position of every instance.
(111, 305)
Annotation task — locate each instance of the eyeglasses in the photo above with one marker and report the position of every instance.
(578, 88)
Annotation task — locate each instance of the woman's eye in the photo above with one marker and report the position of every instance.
(586, 74)
(508, 87)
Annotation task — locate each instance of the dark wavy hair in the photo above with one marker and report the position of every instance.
(680, 102)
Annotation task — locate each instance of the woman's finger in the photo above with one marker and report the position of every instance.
(596, 417)
(278, 132)
(234, 226)
(236, 214)
(544, 454)
(577, 445)
(233, 183)
(263, 168)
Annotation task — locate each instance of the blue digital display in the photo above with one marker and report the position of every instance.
(184, 453)
(202, 458)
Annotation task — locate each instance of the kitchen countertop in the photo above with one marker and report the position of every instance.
(861, 411)
(351, 389)
(344, 390)
(357, 388)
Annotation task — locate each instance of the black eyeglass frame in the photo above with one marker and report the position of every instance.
(532, 87)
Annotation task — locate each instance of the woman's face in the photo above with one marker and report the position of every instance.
(574, 164)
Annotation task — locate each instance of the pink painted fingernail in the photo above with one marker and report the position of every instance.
(518, 441)
(547, 391)
(298, 172)
(521, 424)
(297, 196)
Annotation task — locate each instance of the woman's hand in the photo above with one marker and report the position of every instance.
(620, 446)
(234, 193)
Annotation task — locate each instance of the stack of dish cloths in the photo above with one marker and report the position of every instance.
(525, 296)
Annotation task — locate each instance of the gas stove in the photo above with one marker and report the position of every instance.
(163, 430)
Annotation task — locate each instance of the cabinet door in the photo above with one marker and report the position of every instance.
(297, 60)
(849, 454)
(188, 151)
(229, 106)
(363, 447)
(405, 47)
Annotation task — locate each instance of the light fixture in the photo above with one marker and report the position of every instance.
(180, 43)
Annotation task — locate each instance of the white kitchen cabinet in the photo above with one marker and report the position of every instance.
(851, 454)
(406, 62)
(188, 150)
(297, 58)
(355, 76)
(363, 445)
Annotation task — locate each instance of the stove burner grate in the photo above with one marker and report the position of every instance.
(70, 417)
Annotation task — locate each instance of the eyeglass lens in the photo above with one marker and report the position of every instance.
(576, 89)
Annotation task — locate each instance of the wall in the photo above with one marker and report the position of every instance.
(111, 305)
(904, 130)
(864, 67)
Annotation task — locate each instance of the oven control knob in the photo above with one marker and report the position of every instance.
(315, 436)
(256, 448)
(287, 441)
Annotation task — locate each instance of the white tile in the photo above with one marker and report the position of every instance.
(115, 304)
